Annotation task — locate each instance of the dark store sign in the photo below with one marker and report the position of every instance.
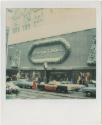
(50, 51)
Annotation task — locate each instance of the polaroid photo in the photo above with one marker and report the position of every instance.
(51, 63)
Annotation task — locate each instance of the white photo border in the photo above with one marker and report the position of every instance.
(50, 111)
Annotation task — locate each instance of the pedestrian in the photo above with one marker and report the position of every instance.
(34, 85)
(18, 76)
(33, 75)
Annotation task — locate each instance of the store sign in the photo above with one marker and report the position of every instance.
(15, 59)
(50, 51)
(92, 53)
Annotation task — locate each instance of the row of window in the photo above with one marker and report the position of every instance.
(26, 26)
(27, 20)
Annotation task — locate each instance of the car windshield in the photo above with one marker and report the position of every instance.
(64, 82)
(24, 80)
(92, 85)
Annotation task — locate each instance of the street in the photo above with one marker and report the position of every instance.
(36, 94)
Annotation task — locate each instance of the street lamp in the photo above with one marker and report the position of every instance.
(7, 35)
(45, 69)
(8, 14)
(19, 60)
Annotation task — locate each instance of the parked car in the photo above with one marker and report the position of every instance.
(11, 88)
(51, 86)
(90, 90)
(24, 83)
(71, 86)
(57, 86)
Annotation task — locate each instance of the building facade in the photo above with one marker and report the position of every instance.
(60, 42)
(65, 55)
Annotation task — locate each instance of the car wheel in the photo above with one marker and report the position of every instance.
(65, 91)
(77, 89)
(58, 90)
(24, 86)
(41, 87)
(29, 87)
(16, 92)
(20, 86)
(88, 94)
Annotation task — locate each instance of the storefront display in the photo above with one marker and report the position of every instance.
(69, 57)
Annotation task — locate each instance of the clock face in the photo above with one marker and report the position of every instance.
(50, 51)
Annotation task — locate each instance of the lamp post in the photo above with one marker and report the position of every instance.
(19, 61)
(8, 14)
(7, 35)
(45, 70)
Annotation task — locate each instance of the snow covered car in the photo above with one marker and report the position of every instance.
(11, 88)
(24, 83)
(90, 90)
(71, 86)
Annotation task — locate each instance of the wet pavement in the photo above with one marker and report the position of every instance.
(36, 94)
